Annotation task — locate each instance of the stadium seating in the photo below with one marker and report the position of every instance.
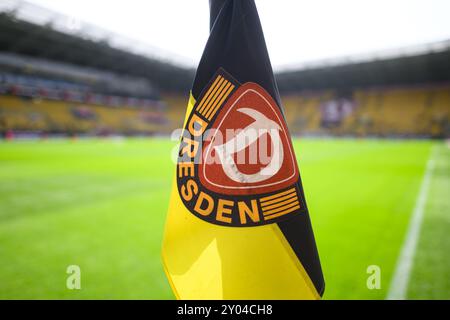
(176, 110)
(302, 111)
(420, 111)
(21, 114)
(395, 111)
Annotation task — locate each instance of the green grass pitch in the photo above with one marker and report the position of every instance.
(101, 204)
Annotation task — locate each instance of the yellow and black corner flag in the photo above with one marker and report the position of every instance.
(238, 226)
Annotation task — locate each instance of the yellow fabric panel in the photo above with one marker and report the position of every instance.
(207, 261)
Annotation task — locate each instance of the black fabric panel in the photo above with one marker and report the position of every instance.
(236, 43)
(299, 233)
(214, 9)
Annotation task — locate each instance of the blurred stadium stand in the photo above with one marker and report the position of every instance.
(59, 79)
(401, 93)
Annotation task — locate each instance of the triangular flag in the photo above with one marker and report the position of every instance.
(238, 226)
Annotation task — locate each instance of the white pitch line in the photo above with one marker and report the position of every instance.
(399, 283)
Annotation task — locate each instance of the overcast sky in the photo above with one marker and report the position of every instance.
(296, 31)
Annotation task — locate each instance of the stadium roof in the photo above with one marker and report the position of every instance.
(54, 40)
(46, 42)
(409, 66)
(36, 14)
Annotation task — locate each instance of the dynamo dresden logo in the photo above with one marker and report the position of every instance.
(236, 164)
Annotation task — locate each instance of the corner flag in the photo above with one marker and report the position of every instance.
(238, 226)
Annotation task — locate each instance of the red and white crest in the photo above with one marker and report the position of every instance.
(236, 164)
(248, 150)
